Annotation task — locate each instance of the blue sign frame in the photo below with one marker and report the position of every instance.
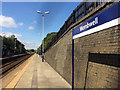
(108, 16)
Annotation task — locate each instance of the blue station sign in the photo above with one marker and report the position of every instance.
(106, 19)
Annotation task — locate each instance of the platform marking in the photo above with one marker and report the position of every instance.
(17, 78)
(34, 78)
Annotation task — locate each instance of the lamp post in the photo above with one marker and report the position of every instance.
(43, 33)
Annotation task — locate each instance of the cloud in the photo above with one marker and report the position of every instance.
(8, 22)
(18, 35)
(20, 24)
(31, 45)
(8, 34)
(31, 27)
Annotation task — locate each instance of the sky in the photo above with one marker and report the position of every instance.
(22, 20)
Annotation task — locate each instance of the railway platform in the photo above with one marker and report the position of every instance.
(38, 74)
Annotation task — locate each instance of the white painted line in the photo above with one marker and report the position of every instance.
(17, 78)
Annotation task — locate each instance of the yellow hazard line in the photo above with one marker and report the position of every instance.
(17, 78)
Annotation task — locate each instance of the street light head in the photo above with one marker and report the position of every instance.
(39, 12)
(47, 12)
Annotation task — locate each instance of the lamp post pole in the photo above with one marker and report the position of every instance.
(43, 34)
(43, 37)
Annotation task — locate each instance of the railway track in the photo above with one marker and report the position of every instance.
(6, 67)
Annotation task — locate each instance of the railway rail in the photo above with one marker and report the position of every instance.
(11, 63)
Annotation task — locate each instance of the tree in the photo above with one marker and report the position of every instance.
(47, 40)
(12, 46)
(0, 46)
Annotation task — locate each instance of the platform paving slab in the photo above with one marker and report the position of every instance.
(41, 75)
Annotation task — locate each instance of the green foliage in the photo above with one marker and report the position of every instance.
(30, 51)
(47, 40)
(12, 46)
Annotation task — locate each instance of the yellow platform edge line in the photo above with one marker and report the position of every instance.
(17, 78)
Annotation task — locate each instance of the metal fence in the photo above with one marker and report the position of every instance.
(83, 9)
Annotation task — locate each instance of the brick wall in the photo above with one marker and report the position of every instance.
(59, 56)
(86, 73)
(104, 42)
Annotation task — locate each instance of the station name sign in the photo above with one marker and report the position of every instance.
(106, 19)
(89, 24)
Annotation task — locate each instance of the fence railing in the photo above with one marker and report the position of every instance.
(82, 9)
